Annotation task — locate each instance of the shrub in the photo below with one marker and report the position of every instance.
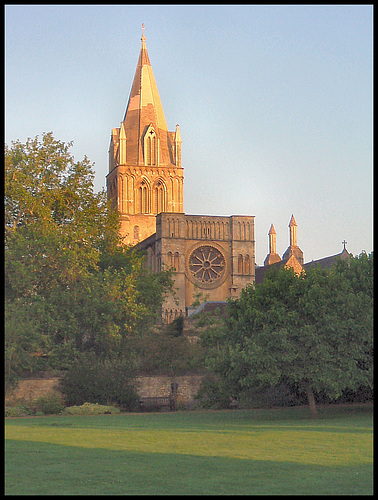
(90, 380)
(51, 404)
(91, 409)
(19, 410)
(214, 393)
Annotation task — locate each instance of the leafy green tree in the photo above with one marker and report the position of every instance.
(311, 330)
(71, 285)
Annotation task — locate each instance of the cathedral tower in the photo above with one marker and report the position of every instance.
(145, 175)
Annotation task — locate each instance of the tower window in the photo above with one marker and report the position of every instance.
(151, 147)
(160, 198)
(144, 198)
(247, 267)
(240, 264)
(176, 261)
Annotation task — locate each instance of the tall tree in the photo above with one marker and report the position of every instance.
(70, 283)
(312, 330)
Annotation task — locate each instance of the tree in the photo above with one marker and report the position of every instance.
(312, 330)
(71, 285)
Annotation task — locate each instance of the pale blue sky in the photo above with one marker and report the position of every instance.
(274, 104)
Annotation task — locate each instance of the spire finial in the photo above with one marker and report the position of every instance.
(143, 37)
(344, 243)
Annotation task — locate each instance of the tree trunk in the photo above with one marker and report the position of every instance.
(311, 402)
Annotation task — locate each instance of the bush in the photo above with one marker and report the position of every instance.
(20, 409)
(281, 395)
(51, 404)
(90, 380)
(91, 409)
(214, 393)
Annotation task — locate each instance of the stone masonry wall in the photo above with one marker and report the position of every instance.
(148, 386)
(160, 385)
(32, 389)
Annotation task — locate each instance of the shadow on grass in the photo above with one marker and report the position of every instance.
(48, 469)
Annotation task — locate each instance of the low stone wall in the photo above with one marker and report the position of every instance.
(32, 389)
(147, 386)
(160, 385)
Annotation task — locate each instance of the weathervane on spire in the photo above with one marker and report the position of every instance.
(143, 37)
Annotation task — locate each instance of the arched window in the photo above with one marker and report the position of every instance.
(136, 232)
(160, 197)
(143, 198)
(169, 260)
(151, 147)
(177, 261)
(240, 264)
(247, 265)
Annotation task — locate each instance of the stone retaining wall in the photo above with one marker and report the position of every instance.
(160, 385)
(32, 389)
(148, 386)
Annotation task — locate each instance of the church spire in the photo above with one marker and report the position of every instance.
(272, 256)
(293, 248)
(293, 232)
(145, 116)
(145, 173)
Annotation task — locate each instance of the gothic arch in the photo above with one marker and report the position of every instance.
(160, 196)
(151, 147)
(143, 196)
(247, 265)
(169, 260)
(240, 264)
(176, 263)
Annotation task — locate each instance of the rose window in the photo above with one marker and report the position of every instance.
(206, 264)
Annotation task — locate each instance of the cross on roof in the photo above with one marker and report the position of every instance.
(344, 243)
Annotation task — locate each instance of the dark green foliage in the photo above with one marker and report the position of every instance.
(313, 330)
(70, 284)
(50, 404)
(161, 351)
(215, 393)
(106, 382)
(175, 328)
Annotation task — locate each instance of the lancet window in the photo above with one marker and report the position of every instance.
(144, 198)
(151, 147)
(160, 201)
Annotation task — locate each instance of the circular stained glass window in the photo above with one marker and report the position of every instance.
(207, 264)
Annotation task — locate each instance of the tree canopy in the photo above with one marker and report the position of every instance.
(70, 283)
(313, 330)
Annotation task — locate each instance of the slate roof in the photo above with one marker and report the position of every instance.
(324, 263)
(327, 261)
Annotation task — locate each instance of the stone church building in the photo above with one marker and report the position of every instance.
(211, 255)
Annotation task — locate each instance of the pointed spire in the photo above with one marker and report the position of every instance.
(272, 240)
(293, 248)
(272, 256)
(144, 110)
(177, 134)
(293, 232)
(177, 147)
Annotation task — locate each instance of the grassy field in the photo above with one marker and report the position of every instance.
(245, 452)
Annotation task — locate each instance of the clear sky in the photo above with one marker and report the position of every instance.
(274, 104)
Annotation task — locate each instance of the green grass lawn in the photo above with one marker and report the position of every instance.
(245, 452)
